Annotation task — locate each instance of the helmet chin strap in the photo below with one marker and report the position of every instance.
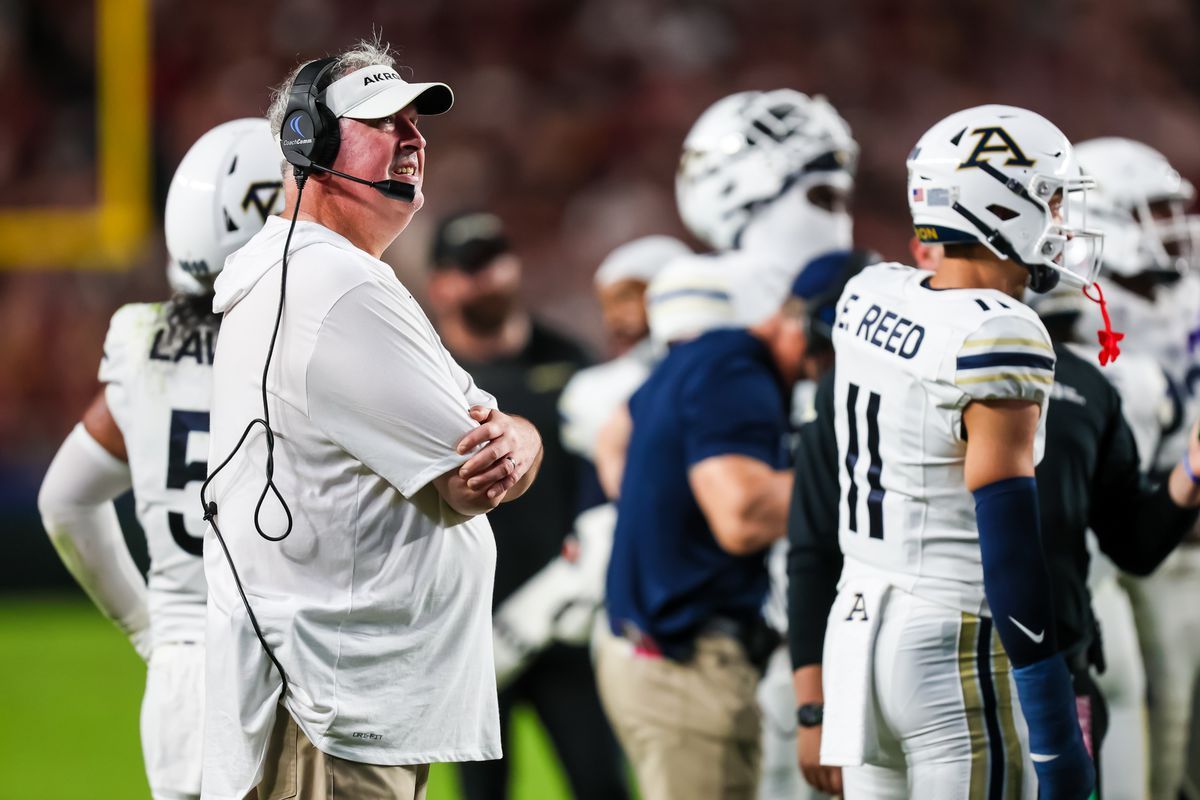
(1042, 279)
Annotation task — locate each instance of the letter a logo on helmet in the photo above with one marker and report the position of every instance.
(1007, 145)
(970, 181)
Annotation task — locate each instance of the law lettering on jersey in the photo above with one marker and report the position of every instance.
(882, 328)
(198, 345)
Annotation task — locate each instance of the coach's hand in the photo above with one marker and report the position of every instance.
(808, 754)
(508, 461)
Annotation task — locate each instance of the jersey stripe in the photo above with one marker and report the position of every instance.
(968, 638)
(875, 496)
(1006, 376)
(991, 718)
(1009, 342)
(1014, 763)
(852, 455)
(1006, 359)
(674, 294)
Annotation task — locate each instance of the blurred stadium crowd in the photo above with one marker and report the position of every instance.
(568, 124)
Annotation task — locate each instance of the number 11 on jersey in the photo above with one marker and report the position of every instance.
(874, 469)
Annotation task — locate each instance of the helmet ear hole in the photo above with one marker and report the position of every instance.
(1003, 213)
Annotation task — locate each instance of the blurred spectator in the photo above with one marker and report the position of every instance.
(569, 117)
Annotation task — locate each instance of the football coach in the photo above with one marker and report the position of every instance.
(350, 569)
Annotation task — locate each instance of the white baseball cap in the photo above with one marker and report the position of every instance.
(377, 91)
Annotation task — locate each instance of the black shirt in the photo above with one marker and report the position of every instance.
(530, 531)
(814, 557)
(1089, 477)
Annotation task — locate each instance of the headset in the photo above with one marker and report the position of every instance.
(309, 138)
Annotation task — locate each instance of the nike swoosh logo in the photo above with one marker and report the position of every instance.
(1038, 758)
(1036, 637)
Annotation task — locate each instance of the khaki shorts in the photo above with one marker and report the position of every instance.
(296, 770)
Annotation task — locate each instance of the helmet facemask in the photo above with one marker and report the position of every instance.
(1170, 233)
(1068, 247)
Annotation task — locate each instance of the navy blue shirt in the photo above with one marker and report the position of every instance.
(719, 394)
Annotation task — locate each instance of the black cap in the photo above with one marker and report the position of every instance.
(468, 241)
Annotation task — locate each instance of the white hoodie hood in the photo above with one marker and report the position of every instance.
(245, 267)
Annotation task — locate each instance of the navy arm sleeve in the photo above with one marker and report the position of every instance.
(814, 557)
(1137, 524)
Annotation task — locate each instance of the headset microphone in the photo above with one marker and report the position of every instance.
(393, 190)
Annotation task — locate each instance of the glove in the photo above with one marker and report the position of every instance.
(1063, 765)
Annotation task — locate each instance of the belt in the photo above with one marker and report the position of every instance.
(643, 643)
(758, 639)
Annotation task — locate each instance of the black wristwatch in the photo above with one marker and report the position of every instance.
(810, 715)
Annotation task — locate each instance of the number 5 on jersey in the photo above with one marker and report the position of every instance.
(181, 472)
(874, 468)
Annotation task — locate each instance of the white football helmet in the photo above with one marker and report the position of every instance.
(1001, 176)
(1125, 252)
(183, 283)
(1142, 186)
(748, 149)
(222, 192)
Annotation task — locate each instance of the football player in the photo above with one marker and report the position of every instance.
(1155, 293)
(766, 180)
(148, 429)
(944, 605)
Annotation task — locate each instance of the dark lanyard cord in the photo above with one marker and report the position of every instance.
(210, 507)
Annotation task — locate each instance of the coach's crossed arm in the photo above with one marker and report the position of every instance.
(503, 469)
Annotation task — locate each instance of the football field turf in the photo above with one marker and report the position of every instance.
(70, 688)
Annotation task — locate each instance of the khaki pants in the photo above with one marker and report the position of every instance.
(691, 730)
(295, 769)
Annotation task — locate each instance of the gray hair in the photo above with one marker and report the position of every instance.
(367, 53)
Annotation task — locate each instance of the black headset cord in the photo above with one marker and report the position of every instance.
(209, 506)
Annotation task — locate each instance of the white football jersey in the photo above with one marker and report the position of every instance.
(159, 390)
(909, 360)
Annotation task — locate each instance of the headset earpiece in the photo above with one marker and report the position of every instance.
(325, 148)
(309, 133)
